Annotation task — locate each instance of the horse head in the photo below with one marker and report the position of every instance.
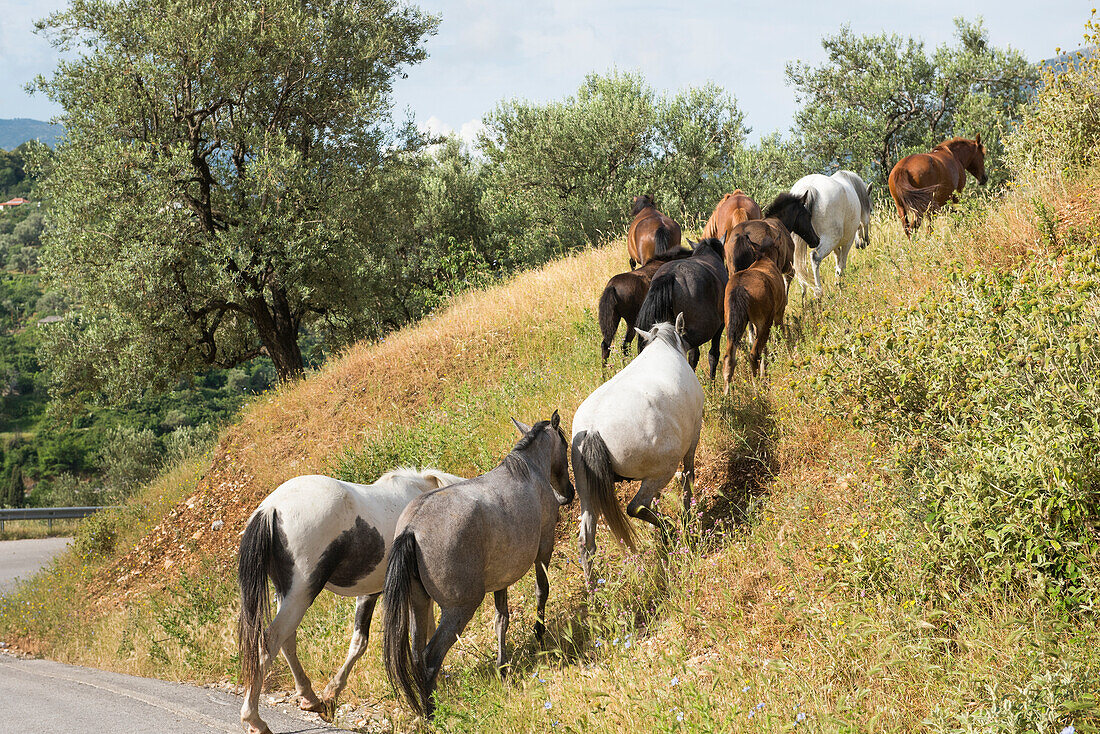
(976, 167)
(559, 454)
(673, 334)
(796, 213)
(640, 202)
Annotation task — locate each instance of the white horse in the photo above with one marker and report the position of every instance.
(840, 209)
(312, 533)
(640, 424)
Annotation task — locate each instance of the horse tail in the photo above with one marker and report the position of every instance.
(404, 666)
(739, 215)
(257, 549)
(662, 240)
(658, 303)
(593, 462)
(737, 319)
(912, 198)
(608, 317)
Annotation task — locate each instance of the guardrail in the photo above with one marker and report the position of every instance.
(49, 514)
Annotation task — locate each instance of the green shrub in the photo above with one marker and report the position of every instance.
(989, 394)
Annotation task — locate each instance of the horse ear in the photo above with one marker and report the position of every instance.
(523, 428)
(680, 328)
(868, 189)
(978, 138)
(690, 243)
(555, 420)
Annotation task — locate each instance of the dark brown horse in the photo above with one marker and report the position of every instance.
(731, 210)
(623, 297)
(924, 182)
(651, 233)
(771, 237)
(758, 296)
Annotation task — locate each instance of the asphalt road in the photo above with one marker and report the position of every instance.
(44, 696)
(21, 559)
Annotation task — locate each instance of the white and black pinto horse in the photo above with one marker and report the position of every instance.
(312, 533)
(641, 424)
(840, 209)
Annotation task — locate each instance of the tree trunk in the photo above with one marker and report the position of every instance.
(278, 331)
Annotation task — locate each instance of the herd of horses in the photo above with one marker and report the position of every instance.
(427, 538)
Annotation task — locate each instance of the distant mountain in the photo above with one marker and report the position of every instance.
(14, 133)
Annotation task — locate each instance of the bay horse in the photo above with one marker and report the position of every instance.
(732, 209)
(651, 233)
(458, 543)
(314, 533)
(771, 237)
(840, 210)
(694, 287)
(641, 424)
(756, 295)
(923, 182)
(622, 299)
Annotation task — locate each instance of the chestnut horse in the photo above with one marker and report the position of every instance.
(731, 210)
(757, 295)
(651, 233)
(924, 182)
(771, 237)
(623, 296)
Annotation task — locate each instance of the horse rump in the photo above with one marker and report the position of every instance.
(404, 666)
(592, 460)
(737, 319)
(658, 304)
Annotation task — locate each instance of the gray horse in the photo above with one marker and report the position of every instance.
(456, 544)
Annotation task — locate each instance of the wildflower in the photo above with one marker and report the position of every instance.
(548, 705)
(752, 713)
(760, 706)
(679, 715)
(675, 680)
(1069, 730)
(601, 581)
(801, 717)
(745, 689)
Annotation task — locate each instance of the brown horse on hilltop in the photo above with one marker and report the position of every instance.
(771, 237)
(757, 295)
(924, 182)
(651, 233)
(623, 296)
(731, 210)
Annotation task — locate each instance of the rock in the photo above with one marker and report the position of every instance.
(217, 525)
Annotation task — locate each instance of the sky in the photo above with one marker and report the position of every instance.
(486, 51)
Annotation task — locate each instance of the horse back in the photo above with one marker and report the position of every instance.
(643, 238)
(733, 209)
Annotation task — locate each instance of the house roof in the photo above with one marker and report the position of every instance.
(15, 202)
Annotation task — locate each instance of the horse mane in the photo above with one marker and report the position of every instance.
(946, 145)
(666, 333)
(710, 243)
(785, 200)
(641, 202)
(518, 464)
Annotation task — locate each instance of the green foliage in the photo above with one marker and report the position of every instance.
(98, 534)
(209, 199)
(988, 393)
(881, 97)
(1062, 125)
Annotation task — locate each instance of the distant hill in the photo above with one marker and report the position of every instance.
(14, 133)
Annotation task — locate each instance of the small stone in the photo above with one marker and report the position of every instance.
(217, 525)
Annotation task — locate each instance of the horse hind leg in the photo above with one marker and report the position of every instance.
(639, 506)
(715, 350)
(500, 624)
(542, 593)
(452, 623)
(364, 610)
(758, 347)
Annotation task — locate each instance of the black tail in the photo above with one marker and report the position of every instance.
(608, 316)
(658, 304)
(593, 460)
(404, 666)
(737, 319)
(257, 549)
(661, 240)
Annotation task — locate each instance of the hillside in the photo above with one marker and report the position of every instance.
(808, 594)
(16, 131)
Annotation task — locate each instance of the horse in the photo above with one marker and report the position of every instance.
(694, 287)
(640, 424)
(651, 233)
(313, 533)
(840, 209)
(456, 544)
(771, 237)
(756, 295)
(731, 210)
(923, 182)
(622, 298)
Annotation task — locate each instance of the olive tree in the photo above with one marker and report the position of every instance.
(208, 200)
